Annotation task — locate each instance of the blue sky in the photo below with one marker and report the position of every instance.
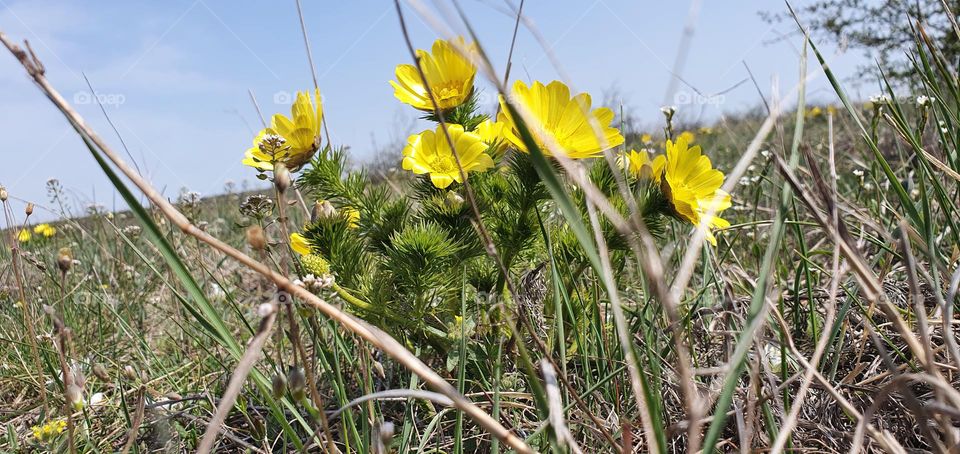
(174, 75)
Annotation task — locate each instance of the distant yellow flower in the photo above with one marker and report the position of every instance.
(567, 120)
(352, 215)
(689, 136)
(429, 152)
(814, 112)
(299, 244)
(491, 133)
(646, 138)
(289, 141)
(639, 165)
(46, 230)
(692, 186)
(449, 75)
(24, 236)
(47, 432)
(705, 130)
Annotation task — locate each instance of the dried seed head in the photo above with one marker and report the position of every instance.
(3, 194)
(256, 238)
(129, 373)
(322, 210)
(64, 259)
(29, 209)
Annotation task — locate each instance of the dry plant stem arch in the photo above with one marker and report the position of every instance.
(374, 335)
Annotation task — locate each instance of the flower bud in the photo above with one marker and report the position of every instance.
(100, 371)
(256, 238)
(279, 386)
(296, 383)
(75, 397)
(129, 373)
(315, 264)
(281, 177)
(322, 210)
(64, 259)
(29, 209)
(3, 194)
(453, 200)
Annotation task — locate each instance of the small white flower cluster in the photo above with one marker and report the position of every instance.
(880, 99)
(315, 284)
(860, 173)
(925, 101)
(943, 126)
(668, 110)
(131, 230)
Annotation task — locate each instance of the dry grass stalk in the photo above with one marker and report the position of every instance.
(374, 335)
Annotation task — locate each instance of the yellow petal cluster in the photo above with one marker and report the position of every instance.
(556, 116)
(449, 74)
(352, 215)
(24, 236)
(47, 432)
(639, 165)
(429, 153)
(46, 230)
(300, 134)
(692, 186)
(491, 133)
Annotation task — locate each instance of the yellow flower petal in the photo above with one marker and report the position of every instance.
(299, 244)
(557, 117)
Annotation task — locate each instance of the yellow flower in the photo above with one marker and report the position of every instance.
(814, 112)
(49, 431)
(289, 141)
(705, 130)
(491, 133)
(646, 138)
(692, 186)
(639, 165)
(46, 230)
(567, 120)
(429, 152)
(688, 136)
(449, 75)
(299, 244)
(352, 215)
(24, 236)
